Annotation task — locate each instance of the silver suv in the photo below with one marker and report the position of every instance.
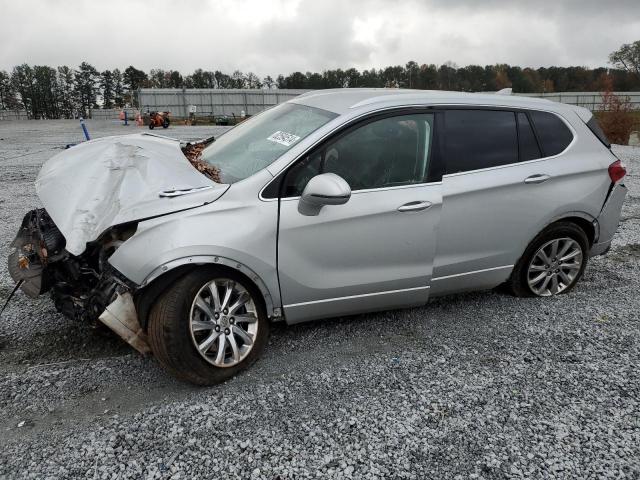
(334, 203)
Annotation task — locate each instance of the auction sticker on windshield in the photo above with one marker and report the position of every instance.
(283, 138)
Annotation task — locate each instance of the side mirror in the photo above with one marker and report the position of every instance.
(324, 189)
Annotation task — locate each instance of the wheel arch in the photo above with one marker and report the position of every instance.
(586, 222)
(165, 275)
(583, 220)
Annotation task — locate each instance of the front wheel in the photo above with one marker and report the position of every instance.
(208, 326)
(165, 123)
(151, 125)
(553, 262)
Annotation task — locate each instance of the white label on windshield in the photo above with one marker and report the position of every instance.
(283, 138)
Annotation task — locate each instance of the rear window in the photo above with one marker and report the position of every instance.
(594, 126)
(480, 139)
(553, 134)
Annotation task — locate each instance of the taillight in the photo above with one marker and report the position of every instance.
(617, 171)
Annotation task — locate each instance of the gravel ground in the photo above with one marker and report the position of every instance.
(478, 385)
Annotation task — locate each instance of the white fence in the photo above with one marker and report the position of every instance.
(589, 100)
(215, 102)
(13, 115)
(111, 114)
(211, 102)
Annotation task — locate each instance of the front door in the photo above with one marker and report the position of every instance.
(376, 251)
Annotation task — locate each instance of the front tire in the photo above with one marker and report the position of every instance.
(208, 326)
(553, 262)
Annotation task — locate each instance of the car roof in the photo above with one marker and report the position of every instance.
(342, 100)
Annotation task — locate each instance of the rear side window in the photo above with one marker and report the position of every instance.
(529, 149)
(479, 139)
(553, 134)
(594, 126)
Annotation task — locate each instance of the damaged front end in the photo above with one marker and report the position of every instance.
(83, 287)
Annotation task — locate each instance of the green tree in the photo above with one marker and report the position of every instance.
(8, 98)
(175, 79)
(106, 84)
(412, 74)
(45, 92)
(268, 82)
(133, 79)
(86, 87)
(65, 79)
(252, 81)
(118, 88)
(23, 83)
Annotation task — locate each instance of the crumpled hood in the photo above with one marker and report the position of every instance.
(109, 181)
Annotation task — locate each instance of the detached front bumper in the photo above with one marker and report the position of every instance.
(608, 220)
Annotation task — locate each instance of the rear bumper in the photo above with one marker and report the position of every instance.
(608, 220)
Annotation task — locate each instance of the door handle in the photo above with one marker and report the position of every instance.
(414, 206)
(538, 178)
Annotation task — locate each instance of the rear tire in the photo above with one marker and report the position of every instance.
(179, 329)
(534, 276)
(151, 125)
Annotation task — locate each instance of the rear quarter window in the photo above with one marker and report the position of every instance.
(553, 134)
(595, 128)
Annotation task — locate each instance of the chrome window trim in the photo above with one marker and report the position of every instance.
(365, 190)
(350, 297)
(435, 106)
(444, 277)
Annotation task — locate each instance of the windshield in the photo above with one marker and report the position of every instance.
(258, 142)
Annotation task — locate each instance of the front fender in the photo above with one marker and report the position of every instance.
(218, 260)
(232, 231)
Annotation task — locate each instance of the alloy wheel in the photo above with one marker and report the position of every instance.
(223, 322)
(555, 266)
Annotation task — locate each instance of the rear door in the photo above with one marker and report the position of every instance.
(501, 186)
(376, 251)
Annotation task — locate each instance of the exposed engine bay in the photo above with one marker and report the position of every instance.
(81, 286)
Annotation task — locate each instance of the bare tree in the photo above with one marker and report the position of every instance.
(627, 57)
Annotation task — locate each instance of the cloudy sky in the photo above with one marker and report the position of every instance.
(280, 36)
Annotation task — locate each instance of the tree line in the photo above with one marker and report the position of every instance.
(65, 92)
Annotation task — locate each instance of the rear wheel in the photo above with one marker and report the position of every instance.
(151, 125)
(208, 326)
(553, 262)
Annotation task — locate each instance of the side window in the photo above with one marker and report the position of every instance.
(392, 151)
(479, 139)
(527, 142)
(553, 134)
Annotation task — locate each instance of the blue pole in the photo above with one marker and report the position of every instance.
(125, 119)
(84, 129)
